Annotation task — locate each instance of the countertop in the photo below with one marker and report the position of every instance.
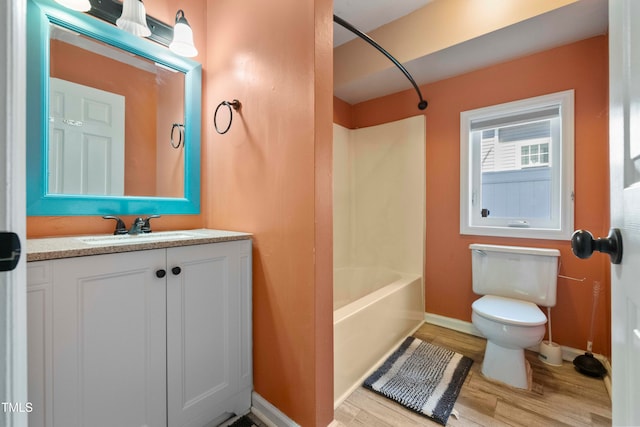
(74, 246)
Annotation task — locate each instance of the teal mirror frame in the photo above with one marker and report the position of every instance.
(42, 13)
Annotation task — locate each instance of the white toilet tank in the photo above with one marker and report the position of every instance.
(528, 274)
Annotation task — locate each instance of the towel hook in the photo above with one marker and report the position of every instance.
(180, 134)
(235, 104)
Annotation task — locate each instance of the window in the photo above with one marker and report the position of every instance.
(532, 155)
(516, 168)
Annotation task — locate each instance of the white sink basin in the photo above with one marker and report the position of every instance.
(128, 239)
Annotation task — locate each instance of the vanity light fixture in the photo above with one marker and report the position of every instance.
(131, 16)
(134, 18)
(79, 5)
(182, 43)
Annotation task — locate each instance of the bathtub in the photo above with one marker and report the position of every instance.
(374, 310)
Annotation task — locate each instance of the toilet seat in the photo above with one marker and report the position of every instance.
(509, 311)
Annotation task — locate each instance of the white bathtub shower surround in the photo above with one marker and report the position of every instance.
(351, 284)
(365, 331)
(379, 196)
(379, 223)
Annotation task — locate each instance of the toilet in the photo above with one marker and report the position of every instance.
(514, 281)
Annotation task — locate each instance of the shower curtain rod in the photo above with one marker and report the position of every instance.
(422, 104)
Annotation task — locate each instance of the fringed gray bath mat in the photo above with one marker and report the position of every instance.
(422, 377)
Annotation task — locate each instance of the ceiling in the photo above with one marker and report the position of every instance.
(367, 15)
(577, 21)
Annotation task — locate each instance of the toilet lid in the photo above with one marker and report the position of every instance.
(507, 310)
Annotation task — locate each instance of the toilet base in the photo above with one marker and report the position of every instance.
(507, 365)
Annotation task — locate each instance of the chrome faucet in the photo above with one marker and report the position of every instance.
(136, 227)
(140, 225)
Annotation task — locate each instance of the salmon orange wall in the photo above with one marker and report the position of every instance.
(41, 226)
(271, 175)
(581, 66)
(342, 113)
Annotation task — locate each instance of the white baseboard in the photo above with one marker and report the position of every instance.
(268, 413)
(568, 353)
(451, 323)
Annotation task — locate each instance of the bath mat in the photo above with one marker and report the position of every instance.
(244, 421)
(422, 377)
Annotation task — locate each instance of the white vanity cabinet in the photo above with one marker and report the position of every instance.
(157, 337)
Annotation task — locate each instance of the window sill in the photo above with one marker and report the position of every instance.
(517, 232)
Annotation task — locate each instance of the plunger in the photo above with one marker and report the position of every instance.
(586, 363)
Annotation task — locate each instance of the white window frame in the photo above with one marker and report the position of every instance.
(560, 227)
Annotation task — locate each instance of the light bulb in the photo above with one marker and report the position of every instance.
(182, 43)
(134, 18)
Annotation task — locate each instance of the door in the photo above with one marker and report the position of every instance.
(109, 340)
(624, 139)
(86, 146)
(13, 323)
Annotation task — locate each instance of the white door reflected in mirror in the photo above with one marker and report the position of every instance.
(86, 147)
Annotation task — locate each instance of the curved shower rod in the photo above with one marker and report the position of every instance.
(422, 104)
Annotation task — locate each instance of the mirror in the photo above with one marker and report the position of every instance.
(115, 120)
(111, 116)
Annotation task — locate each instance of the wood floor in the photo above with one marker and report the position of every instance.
(560, 397)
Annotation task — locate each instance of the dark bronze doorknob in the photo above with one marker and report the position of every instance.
(583, 244)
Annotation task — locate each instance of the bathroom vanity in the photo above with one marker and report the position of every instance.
(148, 330)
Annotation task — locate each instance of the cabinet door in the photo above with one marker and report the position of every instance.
(208, 328)
(109, 340)
(39, 345)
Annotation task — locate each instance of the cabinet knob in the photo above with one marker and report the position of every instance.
(160, 273)
(176, 270)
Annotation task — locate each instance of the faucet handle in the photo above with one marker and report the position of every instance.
(146, 227)
(120, 227)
